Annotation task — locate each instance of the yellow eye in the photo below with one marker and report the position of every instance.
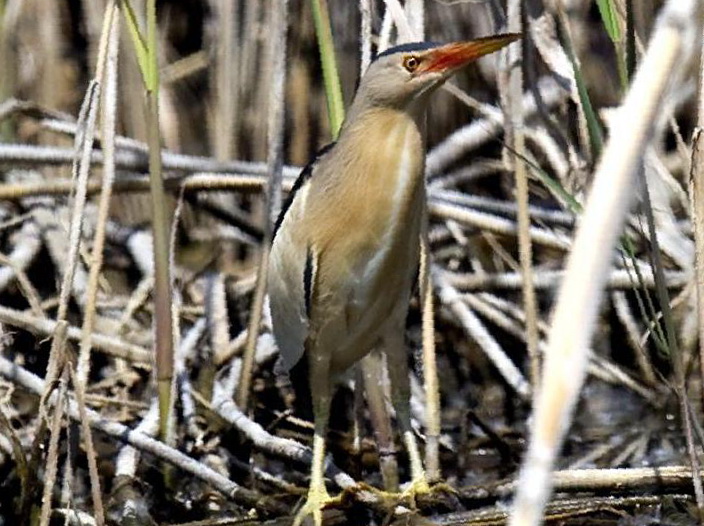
(411, 63)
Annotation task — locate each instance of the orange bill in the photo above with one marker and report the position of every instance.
(458, 54)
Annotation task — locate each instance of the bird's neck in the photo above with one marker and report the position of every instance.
(383, 135)
(380, 160)
(362, 116)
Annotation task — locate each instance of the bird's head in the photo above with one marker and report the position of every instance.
(404, 74)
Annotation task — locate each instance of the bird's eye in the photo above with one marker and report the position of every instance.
(411, 63)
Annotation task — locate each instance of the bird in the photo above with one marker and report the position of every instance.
(346, 244)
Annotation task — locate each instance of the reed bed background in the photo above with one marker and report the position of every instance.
(563, 252)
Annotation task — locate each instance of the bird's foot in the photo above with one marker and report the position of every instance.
(420, 493)
(317, 499)
(419, 486)
(391, 499)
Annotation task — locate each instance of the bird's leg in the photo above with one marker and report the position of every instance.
(318, 495)
(397, 361)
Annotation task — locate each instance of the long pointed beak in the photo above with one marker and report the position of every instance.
(451, 57)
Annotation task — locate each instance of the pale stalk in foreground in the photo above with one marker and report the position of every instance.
(579, 299)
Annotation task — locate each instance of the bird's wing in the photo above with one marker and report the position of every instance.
(292, 269)
(301, 180)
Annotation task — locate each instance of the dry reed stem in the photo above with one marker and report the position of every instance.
(373, 369)
(566, 510)
(515, 131)
(365, 35)
(217, 318)
(500, 312)
(186, 351)
(112, 345)
(452, 300)
(115, 430)
(107, 68)
(55, 431)
(128, 457)
(275, 162)
(25, 285)
(431, 383)
(225, 113)
(415, 14)
(57, 361)
(497, 225)
(696, 191)
(599, 479)
(27, 243)
(398, 15)
(501, 207)
(92, 457)
(548, 279)
(106, 71)
(411, 26)
(480, 131)
(578, 301)
(625, 315)
(81, 169)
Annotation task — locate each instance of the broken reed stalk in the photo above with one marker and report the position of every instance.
(277, 59)
(578, 302)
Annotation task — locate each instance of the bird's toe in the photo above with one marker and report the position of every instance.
(318, 498)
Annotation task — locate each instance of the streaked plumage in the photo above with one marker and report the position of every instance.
(345, 250)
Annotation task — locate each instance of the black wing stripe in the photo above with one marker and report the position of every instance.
(306, 174)
(308, 276)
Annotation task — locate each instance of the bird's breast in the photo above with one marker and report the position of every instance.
(368, 237)
(366, 213)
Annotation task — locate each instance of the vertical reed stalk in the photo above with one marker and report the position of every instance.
(331, 78)
(275, 154)
(147, 56)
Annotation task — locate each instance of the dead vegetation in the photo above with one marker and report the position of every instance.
(79, 416)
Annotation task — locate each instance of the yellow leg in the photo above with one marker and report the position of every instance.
(419, 482)
(318, 496)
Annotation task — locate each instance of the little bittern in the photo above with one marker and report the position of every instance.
(346, 245)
